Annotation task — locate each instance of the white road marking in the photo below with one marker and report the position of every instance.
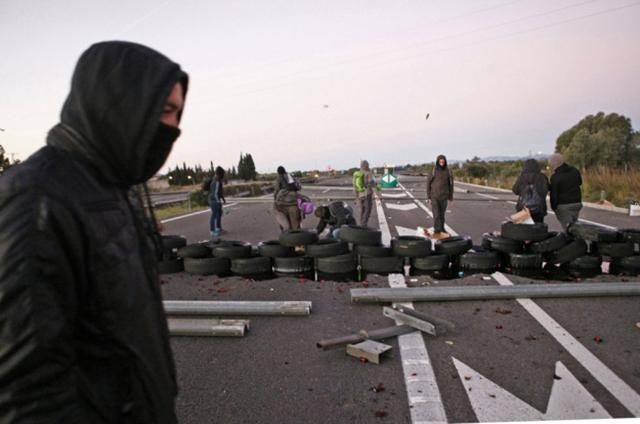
(404, 231)
(424, 207)
(425, 402)
(614, 384)
(568, 399)
(402, 207)
(393, 195)
(228, 205)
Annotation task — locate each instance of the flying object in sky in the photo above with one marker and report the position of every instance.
(426, 117)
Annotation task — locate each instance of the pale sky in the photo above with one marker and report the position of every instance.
(498, 77)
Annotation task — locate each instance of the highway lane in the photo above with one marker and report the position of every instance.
(275, 373)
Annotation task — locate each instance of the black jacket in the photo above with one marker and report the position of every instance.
(83, 334)
(565, 186)
(531, 175)
(336, 215)
(440, 182)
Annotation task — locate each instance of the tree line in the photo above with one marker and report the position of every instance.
(5, 162)
(186, 175)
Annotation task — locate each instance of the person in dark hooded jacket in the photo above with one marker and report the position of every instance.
(83, 333)
(440, 192)
(531, 176)
(565, 195)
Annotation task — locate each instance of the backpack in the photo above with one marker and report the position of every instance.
(206, 184)
(293, 186)
(531, 200)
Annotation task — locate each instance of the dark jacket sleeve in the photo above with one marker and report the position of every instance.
(517, 186)
(450, 174)
(39, 288)
(553, 192)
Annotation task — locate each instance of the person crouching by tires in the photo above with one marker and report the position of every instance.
(532, 187)
(285, 197)
(336, 214)
(440, 192)
(566, 198)
(216, 199)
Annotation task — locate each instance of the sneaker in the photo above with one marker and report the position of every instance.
(216, 233)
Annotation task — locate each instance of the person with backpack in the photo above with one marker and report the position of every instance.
(532, 187)
(336, 214)
(216, 199)
(285, 195)
(565, 194)
(363, 185)
(439, 192)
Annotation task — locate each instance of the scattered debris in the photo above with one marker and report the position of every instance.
(492, 396)
(531, 338)
(381, 414)
(556, 377)
(597, 339)
(223, 290)
(365, 284)
(369, 350)
(378, 334)
(449, 342)
(466, 377)
(378, 388)
(499, 327)
(499, 310)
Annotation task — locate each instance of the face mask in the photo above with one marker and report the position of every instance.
(161, 145)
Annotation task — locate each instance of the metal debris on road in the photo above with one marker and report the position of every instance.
(203, 307)
(207, 327)
(369, 350)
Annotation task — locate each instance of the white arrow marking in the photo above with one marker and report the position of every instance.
(568, 400)
(402, 207)
(394, 195)
(404, 231)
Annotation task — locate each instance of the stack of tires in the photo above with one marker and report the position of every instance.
(620, 248)
(170, 263)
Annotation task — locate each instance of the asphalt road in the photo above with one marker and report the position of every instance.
(505, 360)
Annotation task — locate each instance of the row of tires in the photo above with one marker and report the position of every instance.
(516, 248)
(581, 250)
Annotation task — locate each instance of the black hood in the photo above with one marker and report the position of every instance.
(531, 167)
(112, 114)
(438, 161)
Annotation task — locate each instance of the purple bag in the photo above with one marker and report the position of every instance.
(306, 206)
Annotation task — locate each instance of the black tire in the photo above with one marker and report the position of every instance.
(379, 265)
(375, 251)
(326, 247)
(273, 249)
(453, 247)
(232, 250)
(525, 232)
(411, 246)
(170, 266)
(297, 238)
(293, 265)
(553, 243)
(487, 238)
(173, 242)
(586, 262)
(207, 266)
(525, 261)
(505, 245)
(479, 261)
(631, 235)
(616, 250)
(569, 252)
(257, 265)
(194, 251)
(341, 264)
(589, 232)
(431, 263)
(357, 234)
(625, 266)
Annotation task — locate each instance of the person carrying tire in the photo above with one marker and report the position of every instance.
(285, 197)
(439, 193)
(216, 199)
(532, 187)
(335, 214)
(83, 332)
(363, 185)
(565, 194)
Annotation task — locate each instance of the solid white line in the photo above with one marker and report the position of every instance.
(425, 402)
(164, 221)
(614, 384)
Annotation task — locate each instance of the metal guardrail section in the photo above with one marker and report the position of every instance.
(168, 198)
(212, 307)
(436, 294)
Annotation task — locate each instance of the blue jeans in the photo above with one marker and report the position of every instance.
(215, 223)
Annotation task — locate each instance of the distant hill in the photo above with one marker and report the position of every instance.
(541, 156)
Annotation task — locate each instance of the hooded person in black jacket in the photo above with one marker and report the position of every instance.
(565, 194)
(440, 192)
(83, 333)
(531, 175)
